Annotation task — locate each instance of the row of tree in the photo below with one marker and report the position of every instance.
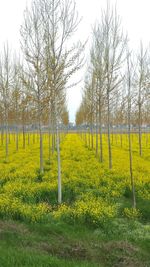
(117, 87)
(33, 88)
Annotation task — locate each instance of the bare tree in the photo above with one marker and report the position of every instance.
(60, 22)
(16, 98)
(129, 102)
(32, 45)
(6, 76)
(114, 46)
(47, 29)
(142, 81)
(98, 66)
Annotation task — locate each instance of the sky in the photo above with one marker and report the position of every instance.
(135, 15)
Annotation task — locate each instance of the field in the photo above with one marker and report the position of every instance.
(95, 225)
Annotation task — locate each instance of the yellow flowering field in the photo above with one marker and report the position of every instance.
(92, 194)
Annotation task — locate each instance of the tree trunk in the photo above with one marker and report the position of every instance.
(108, 132)
(24, 137)
(139, 129)
(6, 140)
(131, 168)
(17, 138)
(41, 138)
(100, 132)
(59, 164)
(129, 135)
(97, 132)
(41, 149)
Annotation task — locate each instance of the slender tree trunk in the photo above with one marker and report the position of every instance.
(6, 140)
(116, 138)
(28, 138)
(58, 156)
(59, 167)
(100, 132)
(41, 138)
(53, 142)
(49, 143)
(41, 149)
(89, 139)
(2, 137)
(17, 138)
(108, 131)
(92, 141)
(129, 135)
(139, 130)
(6, 133)
(9, 138)
(24, 137)
(121, 137)
(96, 132)
(131, 168)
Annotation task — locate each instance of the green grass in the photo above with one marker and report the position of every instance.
(41, 245)
(24, 258)
(122, 243)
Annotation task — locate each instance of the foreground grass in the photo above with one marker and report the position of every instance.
(60, 244)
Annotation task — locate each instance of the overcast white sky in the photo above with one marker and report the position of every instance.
(135, 16)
